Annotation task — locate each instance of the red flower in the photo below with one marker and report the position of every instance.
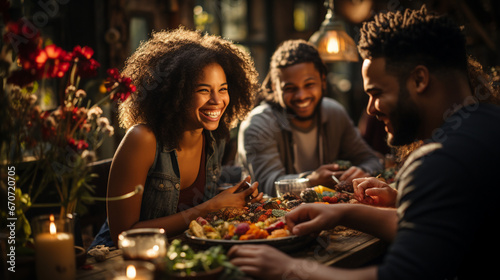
(113, 73)
(87, 66)
(54, 61)
(121, 86)
(78, 145)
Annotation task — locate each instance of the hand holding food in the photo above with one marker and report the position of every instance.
(374, 191)
(352, 173)
(311, 218)
(237, 196)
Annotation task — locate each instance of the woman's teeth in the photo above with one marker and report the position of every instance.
(212, 114)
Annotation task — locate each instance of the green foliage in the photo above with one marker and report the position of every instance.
(182, 259)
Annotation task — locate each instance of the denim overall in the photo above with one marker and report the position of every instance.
(162, 188)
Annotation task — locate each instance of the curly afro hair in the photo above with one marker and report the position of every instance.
(289, 53)
(415, 37)
(165, 69)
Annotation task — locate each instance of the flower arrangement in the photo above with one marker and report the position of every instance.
(52, 147)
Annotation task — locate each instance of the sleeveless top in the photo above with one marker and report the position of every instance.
(193, 195)
(162, 188)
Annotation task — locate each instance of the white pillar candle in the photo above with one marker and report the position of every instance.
(55, 254)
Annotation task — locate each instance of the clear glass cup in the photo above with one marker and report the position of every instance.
(143, 243)
(294, 186)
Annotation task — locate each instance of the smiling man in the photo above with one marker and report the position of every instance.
(415, 73)
(297, 131)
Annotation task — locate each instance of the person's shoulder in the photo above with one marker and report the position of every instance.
(333, 112)
(262, 115)
(331, 106)
(489, 111)
(137, 148)
(141, 135)
(262, 109)
(423, 151)
(261, 122)
(474, 126)
(330, 103)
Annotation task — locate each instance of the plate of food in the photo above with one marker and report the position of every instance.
(285, 244)
(259, 223)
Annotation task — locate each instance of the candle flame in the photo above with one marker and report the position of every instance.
(52, 226)
(131, 272)
(333, 45)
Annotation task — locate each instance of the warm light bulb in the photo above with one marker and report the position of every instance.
(52, 226)
(332, 41)
(131, 272)
(333, 45)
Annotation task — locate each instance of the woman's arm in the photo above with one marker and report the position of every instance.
(177, 223)
(130, 167)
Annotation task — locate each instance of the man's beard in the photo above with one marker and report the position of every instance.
(405, 121)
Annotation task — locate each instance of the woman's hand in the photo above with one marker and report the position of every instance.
(233, 197)
(244, 186)
(374, 192)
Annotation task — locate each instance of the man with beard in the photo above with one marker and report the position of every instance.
(415, 73)
(296, 131)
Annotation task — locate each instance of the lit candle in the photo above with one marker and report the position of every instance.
(55, 254)
(131, 273)
(134, 270)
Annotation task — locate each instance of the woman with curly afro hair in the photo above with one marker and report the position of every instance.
(191, 88)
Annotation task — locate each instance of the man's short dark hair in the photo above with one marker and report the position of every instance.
(414, 37)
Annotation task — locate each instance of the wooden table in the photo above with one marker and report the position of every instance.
(343, 248)
(340, 248)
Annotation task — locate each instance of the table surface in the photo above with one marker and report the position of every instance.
(341, 247)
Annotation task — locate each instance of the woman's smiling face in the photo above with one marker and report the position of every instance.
(210, 99)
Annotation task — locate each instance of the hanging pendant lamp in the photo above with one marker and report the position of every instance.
(332, 41)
